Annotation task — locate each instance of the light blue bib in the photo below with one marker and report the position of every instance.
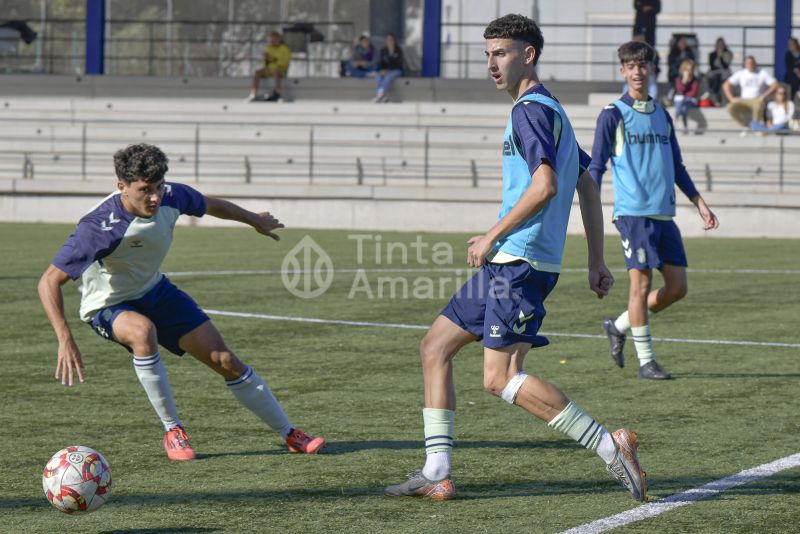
(643, 166)
(541, 238)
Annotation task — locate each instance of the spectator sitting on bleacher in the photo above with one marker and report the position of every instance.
(719, 64)
(277, 56)
(390, 66)
(686, 89)
(779, 113)
(792, 60)
(755, 85)
(679, 53)
(362, 61)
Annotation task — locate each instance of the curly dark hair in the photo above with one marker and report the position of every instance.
(140, 162)
(636, 51)
(517, 27)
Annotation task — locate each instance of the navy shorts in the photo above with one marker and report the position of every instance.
(650, 243)
(503, 304)
(173, 312)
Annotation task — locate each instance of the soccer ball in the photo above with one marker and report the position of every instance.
(77, 479)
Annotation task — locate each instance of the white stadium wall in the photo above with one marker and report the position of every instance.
(414, 209)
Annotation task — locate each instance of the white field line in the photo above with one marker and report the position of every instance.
(687, 497)
(425, 327)
(456, 270)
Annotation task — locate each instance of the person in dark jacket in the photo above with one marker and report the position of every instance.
(390, 66)
(645, 21)
(719, 64)
(680, 52)
(792, 59)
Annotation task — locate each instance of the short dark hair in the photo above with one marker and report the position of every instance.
(140, 162)
(636, 51)
(517, 27)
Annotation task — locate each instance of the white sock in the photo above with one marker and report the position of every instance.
(606, 448)
(643, 343)
(578, 425)
(439, 429)
(251, 390)
(153, 377)
(623, 322)
(437, 465)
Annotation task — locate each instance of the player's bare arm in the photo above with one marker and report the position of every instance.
(600, 278)
(544, 186)
(710, 221)
(69, 357)
(264, 222)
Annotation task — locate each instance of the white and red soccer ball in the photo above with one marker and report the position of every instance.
(77, 479)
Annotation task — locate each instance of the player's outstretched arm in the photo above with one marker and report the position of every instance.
(69, 357)
(544, 186)
(710, 221)
(264, 222)
(600, 278)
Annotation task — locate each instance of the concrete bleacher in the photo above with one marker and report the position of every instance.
(216, 139)
(61, 142)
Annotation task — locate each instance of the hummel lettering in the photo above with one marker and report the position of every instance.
(495, 328)
(650, 138)
(508, 147)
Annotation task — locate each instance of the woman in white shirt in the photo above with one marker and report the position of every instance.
(779, 113)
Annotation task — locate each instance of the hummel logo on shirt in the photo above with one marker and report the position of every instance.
(111, 220)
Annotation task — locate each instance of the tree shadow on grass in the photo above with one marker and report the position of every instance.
(661, 490)
(167, 530)
(346, 447)
(746, 376)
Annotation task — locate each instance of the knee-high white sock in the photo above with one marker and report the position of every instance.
(153, 377)
(576, 424)
(643, 343)
(439, 430)
(251, 390)
(623, 322)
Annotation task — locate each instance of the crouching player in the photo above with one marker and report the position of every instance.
(117, 250)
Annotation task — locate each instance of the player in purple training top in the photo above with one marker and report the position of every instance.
(117, 250)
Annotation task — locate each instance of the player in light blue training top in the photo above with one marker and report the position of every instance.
(519, 260)
(117, 250)
(636, 132)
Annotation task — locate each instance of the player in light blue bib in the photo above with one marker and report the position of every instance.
(519, 260)
(637, 133)
(117, 250)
